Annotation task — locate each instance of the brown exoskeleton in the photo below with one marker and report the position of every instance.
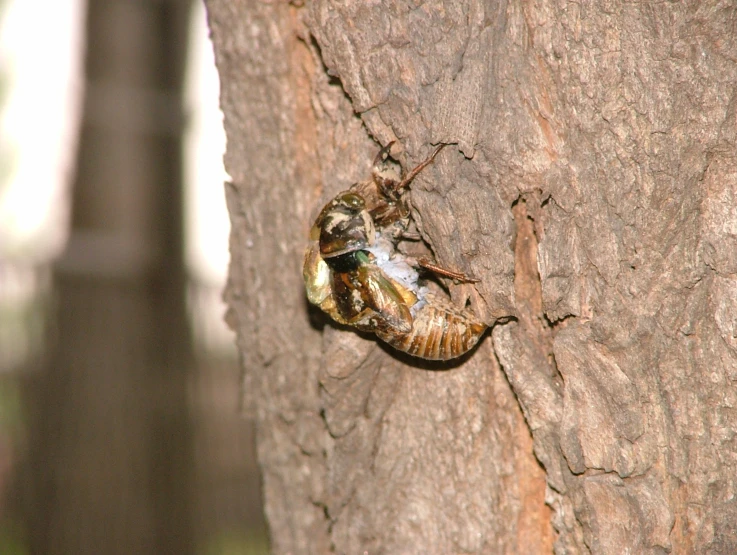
(355, 274)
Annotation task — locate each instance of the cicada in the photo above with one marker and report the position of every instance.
(354, 272)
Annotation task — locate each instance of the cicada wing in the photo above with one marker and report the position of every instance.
(384, 298)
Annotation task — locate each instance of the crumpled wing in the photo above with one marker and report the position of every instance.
(383, 297)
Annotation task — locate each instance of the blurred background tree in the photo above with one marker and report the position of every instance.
(118, 403)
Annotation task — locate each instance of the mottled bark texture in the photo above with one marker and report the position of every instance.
(592, 186)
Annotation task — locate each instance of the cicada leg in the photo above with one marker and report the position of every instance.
(444, 272)
(421, 166)
(391, 189)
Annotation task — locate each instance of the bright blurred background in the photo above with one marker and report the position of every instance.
(120, 429)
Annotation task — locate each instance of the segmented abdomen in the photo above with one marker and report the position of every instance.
(439, 332)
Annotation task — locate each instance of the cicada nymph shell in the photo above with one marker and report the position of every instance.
(354, 272)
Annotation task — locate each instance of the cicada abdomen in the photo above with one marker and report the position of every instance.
(439, 331)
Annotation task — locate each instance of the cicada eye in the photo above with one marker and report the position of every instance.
(352, 200)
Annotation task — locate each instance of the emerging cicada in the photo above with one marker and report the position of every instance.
(354, 272)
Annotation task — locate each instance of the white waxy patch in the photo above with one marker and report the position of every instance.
(394, 265)
(356, 300)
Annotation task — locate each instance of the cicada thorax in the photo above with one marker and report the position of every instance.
(344, 226)
(440, 331)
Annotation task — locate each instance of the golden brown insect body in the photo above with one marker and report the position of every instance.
(439, 331)
(355, 274)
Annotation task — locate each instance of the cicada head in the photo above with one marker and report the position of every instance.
(344, 226)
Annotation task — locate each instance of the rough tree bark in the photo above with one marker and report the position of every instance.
(591, 184)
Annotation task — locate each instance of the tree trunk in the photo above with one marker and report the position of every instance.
(591, 186)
